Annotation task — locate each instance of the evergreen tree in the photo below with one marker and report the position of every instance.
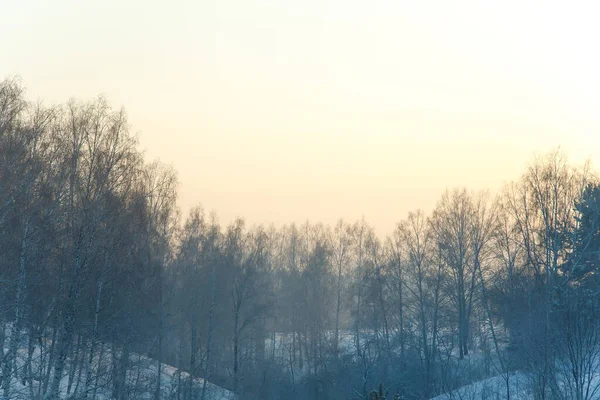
(584, 261)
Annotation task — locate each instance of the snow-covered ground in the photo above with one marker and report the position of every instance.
(492, 388)
(520, 385)
(140, 379)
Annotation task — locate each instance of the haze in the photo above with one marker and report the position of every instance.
(286, 111)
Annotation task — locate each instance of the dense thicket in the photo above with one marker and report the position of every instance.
(96, 269)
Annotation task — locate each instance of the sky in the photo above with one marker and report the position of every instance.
(283, 111)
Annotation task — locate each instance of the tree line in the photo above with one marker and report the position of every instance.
(97, 269)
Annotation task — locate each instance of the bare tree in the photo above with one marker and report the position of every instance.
(451, 223)
(341, 242)
(415, 240)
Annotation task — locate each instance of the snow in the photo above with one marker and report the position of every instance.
(492, 388)
(140, 379)
(520, 385)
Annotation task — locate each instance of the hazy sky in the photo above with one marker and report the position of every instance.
(280, 111)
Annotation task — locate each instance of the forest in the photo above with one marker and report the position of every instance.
(107, 291)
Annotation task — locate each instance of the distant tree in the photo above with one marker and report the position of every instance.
(451, 226)
(342, 253)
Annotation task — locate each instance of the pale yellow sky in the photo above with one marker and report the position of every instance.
(280, 111)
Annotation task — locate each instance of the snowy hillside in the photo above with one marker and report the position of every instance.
(100, 384)
(521, 387)
(492, 388)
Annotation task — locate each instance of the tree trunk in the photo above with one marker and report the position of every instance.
(336, 343)
(235, 351)
(211, 312)
(157, 393)
(73, 366)
(121, 379)
(66, 334)
(97, 377)
(193, 353)
(30, 350)
(11, 355)
(94, 338)
(80, 364)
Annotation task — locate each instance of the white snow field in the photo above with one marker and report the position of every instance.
(492, 388)
(520, 388)
(140, 379)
